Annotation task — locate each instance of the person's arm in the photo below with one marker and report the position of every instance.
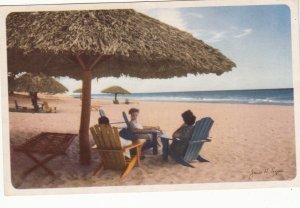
(151, 127)
(177, 133)
(135, 128)
(144, 131)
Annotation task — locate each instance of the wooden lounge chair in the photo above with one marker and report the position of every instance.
(19, 108)
(48, 109)
(199, 137)
(23, 109)
(111, 152)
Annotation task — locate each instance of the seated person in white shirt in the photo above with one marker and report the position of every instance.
(141, 131)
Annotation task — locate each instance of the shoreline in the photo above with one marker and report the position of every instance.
(173, 101)
(282, 96)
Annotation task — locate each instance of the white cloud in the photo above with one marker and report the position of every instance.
(216, 36)
(243, 33)
(210, 35)
(175, 18)
(169, 16)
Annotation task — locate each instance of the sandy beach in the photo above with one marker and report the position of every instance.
(249, 143)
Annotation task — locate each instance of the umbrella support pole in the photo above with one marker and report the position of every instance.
(116, 94)
(84, 143)
(85, 118)
(33, 96)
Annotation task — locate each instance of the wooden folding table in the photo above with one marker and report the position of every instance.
(46, 144)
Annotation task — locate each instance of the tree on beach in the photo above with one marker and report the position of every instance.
(105, 43)
(115, 90)
(35, 83)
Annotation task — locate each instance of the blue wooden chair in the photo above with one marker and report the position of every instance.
(199, 137)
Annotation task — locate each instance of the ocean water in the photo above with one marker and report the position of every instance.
(259, 97)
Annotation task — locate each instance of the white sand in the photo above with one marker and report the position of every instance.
(245, 139)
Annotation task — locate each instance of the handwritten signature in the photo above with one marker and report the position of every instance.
(268, 171)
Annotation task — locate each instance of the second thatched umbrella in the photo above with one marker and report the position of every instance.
(35, 83)
(103, 43)
(115, 90)
(78, 90)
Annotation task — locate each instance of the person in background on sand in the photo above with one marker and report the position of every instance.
(141, 131)
(183, 134)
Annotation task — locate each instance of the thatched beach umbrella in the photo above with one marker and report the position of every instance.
(102, 43)
(35, 83)
(115, 90)
(38, 83)
(78, 90)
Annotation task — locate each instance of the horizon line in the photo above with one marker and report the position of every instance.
(206, 90)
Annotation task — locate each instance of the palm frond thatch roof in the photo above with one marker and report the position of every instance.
(78, 90)
(37, 83)
(138, 45)
(115, 90)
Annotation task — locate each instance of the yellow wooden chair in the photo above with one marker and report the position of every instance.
(48, 109)
(111, 151)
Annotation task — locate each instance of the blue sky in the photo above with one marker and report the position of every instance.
(256, 38)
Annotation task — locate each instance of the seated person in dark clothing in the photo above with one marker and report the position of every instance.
(183, 134)
(103, 120)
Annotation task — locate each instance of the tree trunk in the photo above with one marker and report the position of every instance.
(33, 96)
(85, 155)
(84, 142)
